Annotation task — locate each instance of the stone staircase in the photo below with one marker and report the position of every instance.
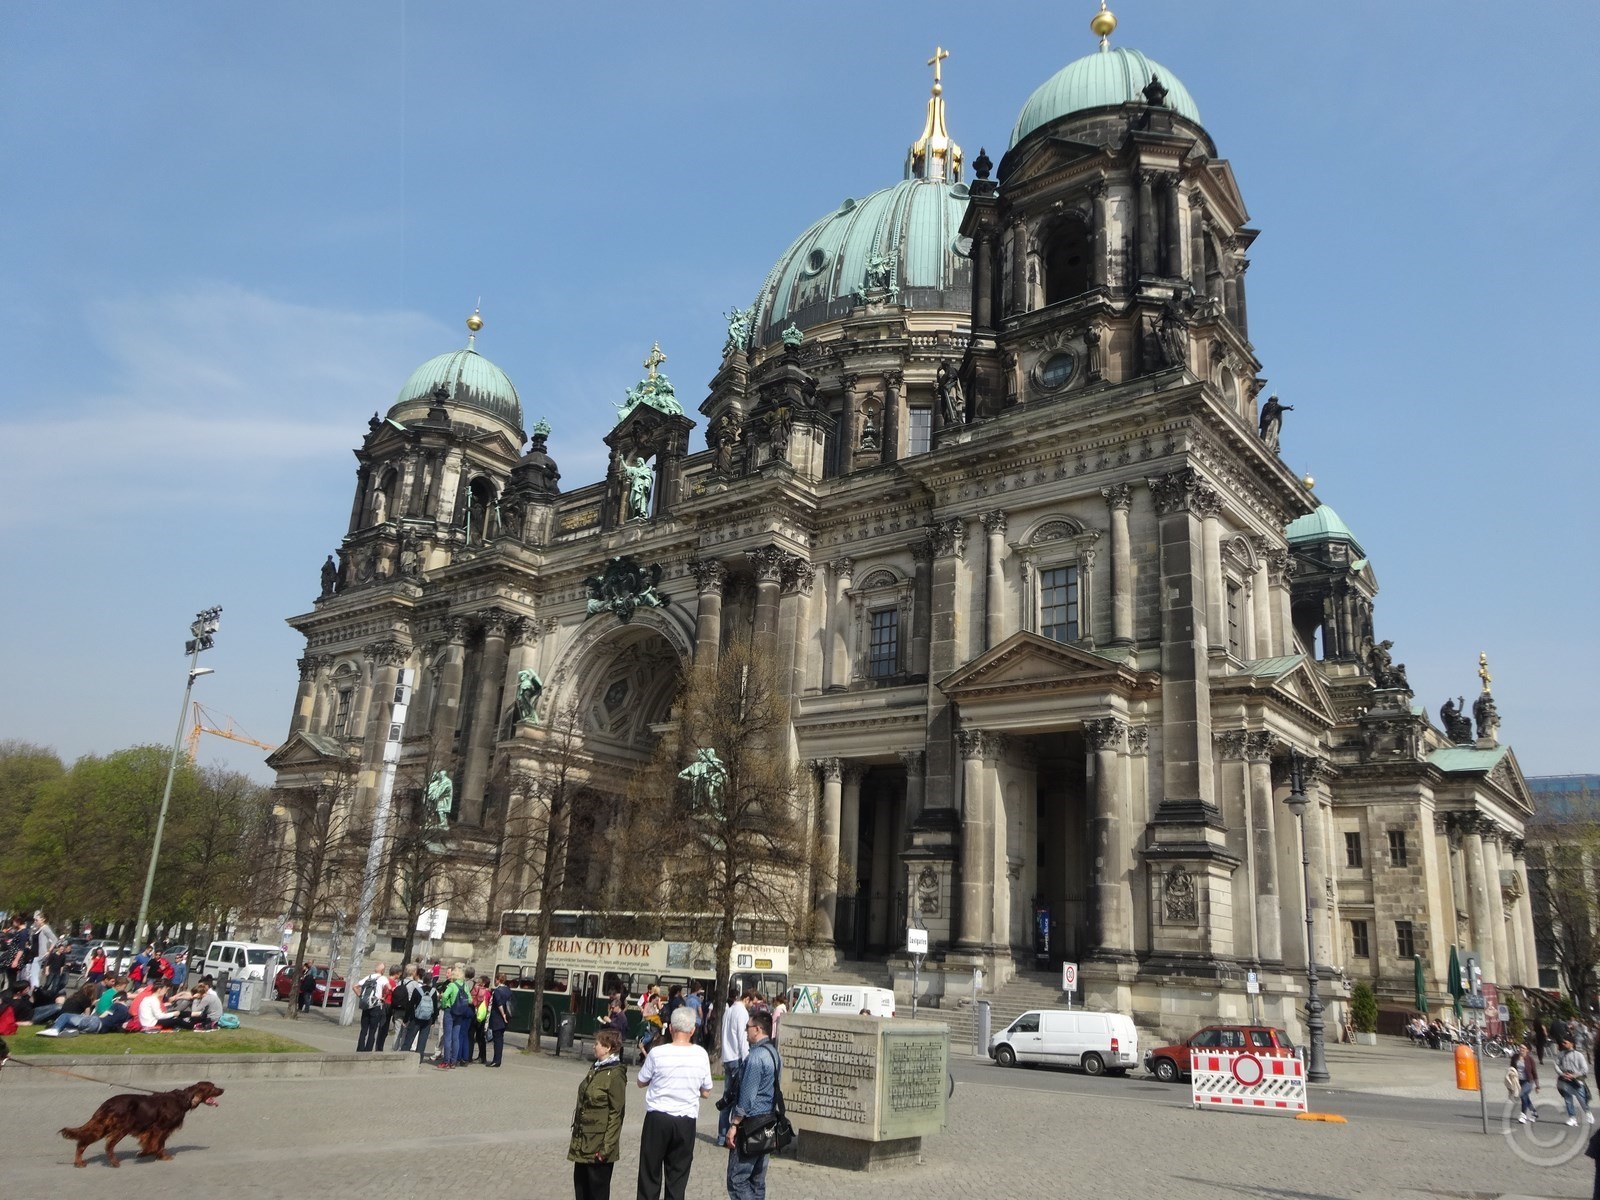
(1026, 991)
(847, 973)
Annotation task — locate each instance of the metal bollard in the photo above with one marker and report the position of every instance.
(566, 1030)
(980, 1029)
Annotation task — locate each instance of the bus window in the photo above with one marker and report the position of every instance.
(615, 981)
(555, 979)
(564, 924)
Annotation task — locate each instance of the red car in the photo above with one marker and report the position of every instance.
(284, 985)
(1171, 1063)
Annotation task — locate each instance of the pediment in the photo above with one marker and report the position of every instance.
(308, 750)
(1221, 173)
(1507, 774)
(1027, 662)
(1050, 155)
(1291, 676)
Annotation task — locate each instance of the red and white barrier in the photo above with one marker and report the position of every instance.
(1238, 1079)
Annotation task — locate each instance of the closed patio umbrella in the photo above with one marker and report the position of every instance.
(1455, 981)
(1422, 987)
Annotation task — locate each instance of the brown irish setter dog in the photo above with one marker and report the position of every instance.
(152, 1119)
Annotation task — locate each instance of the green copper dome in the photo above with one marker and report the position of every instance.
(904, 237)
(1323, 525)
(470, 381)
(1105, 79)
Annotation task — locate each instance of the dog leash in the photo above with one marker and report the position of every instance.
(18, 1062)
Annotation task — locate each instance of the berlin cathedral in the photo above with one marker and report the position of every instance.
(986, 471)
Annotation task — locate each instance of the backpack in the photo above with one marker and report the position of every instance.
(461, 1006)
(422, 1010)
(370, 996)
(136, 975)
(8, 1019)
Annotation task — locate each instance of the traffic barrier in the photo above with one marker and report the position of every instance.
(1240, 1080)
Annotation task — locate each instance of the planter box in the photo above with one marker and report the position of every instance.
(1366, 1039)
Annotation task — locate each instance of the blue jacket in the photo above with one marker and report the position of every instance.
(759, 1081)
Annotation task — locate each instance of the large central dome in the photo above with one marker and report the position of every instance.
(906, 234)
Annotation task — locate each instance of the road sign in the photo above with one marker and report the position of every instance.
(1252, 984)
(916, 941)
(1504, 1013)
(1069, 977)
(1244, 1082)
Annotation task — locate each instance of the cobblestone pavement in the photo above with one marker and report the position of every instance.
(504, 1133)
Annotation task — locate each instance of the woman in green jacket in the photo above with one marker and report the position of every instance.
(597, 1120)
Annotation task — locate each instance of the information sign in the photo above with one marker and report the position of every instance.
(1069, 977)
(916, 941)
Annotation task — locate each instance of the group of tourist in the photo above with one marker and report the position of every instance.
(676, 1076)
(113, 1005)
(472, 1014)
(1572, 1077)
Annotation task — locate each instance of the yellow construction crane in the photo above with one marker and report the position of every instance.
(204, 722)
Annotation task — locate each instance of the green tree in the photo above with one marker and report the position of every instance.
(1363, 1008)
(25, 770)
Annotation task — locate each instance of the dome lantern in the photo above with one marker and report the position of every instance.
(935, 154)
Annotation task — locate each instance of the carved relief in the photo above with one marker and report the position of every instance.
(928, 890)
(1118, 495)
(1178, 899)
(1105, 733)
(948, 538)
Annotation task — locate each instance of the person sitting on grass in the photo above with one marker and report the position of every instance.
(153, 1013)
(205, 1008)
(72, 1024)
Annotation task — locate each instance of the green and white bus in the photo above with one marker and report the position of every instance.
(594, 955)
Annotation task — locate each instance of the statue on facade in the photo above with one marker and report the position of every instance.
(952, 401)
(1272, 421)
(529, 688)
(641, 479)
(441, 799)
(707, 775)
(410, 557)
(780, 422)
(724, 439)
(330, 576)
(1172, 332)
(877, 276)
(380, 506)
(623, 587)
(1386, 673)
(869, 431)
(740, 321)
(1457, 725)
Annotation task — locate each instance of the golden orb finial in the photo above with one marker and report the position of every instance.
(1308, 481)
(1102, 23)
(474, 322)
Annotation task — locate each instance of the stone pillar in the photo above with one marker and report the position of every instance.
(893, 385)
(1258, 747)
(1261, 600)
(883, 883)
(358, 507)
(1280, 566)
(1188, 786)
(913, 760)
(977, 831)
(768, 564)
(710, 575)
(485, 715)
(840, 572)
(826, 912)
(1197, 242)
(1112, 935)
(524, 637)
(1478, 896)
(1147, 223)
(1497, 911)
(1119, 498)
(1172, 214)
(1318, 803)
(849, 854)
(994, 523)
(921, 605)
(305, 695)
(447, 698)
(849, 425)
(1100, 236)
(797, 585)
(982, 282)
(1524, 915)
(416, 488)
(1019, 266)
(1209, 505)
(384, 659)
(321, 689)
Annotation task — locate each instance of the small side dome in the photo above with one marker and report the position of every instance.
(1105, 79)
(469, 381)
(1323, 525)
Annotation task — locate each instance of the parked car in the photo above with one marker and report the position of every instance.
(284, 985)
(176, 954)
(1171, 1063)
(1096, 1042)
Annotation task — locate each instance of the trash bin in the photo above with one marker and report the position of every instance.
(566, 1030)
(250, 995)
(235, 987)
(980, 1029)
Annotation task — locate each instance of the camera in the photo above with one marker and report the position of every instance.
(723, 1102)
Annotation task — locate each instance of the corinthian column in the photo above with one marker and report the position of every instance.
(485, 714)
(1258, 746)
(1119, 497)
(826, 913)
(710, 575)
(304, 697)
(892, 384)
(977, 830)
(840, 572)
(1113, 923)
(447, 697)
(768, 564)
(994, 523)
(1478, 896)
(1209, 505)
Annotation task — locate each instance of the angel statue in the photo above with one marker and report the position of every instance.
(441, 796)
(708, 774)
(529, 688)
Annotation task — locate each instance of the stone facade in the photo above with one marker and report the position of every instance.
(1027, 568)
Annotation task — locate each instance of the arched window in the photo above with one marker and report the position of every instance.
(1066, 261)
(384, 494)
(483, 514)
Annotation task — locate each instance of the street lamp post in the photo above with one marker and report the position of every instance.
(1317, 1067)
(204, 631)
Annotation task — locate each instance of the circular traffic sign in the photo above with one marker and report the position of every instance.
(1248, 1070)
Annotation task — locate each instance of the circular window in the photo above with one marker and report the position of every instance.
(816, 261)
(960, 192)
(616, 694)
(1055, 371)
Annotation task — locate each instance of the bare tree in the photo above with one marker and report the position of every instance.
(739, 848)
(422, 873)
(324, 864)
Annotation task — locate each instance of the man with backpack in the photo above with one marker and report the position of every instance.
(369, 993)
(418, 1001)
(455, 993)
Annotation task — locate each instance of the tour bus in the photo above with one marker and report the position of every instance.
(594, 954)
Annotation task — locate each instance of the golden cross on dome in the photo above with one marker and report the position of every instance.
(654, 359)
(939, 55)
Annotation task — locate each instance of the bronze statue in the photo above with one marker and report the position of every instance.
(330, 576)
(1457, 725)
(1272, 421)
(952, 401)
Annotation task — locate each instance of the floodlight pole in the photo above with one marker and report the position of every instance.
(204, 629)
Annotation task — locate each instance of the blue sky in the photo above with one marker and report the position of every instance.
(232, 231)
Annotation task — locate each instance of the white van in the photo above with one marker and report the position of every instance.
(841, 998)
(1096, 1041)
(243, 960)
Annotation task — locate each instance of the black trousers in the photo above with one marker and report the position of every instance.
(372, 1020)
(591, 1180)
(497, 1038)
(666, 1148)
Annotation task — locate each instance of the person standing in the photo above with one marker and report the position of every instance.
(597, 1120)
(499, 1017)
(449, 1034)
(758, 1089)
(421, 1012)
(1572, 1080)
(1527, 1084)
(369, 993)
(676, 1076)
(42, 940)
(389, 987)
(735, 1046)
(480, 1021)
(96, 970)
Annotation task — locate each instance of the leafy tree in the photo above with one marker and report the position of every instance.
(1563, 879)
(218, 846)
(1517, 1022)
(1363, 1008)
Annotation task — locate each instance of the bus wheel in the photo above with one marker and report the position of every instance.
(547, 1021)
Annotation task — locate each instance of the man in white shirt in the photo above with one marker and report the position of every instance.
(677, 1076)
(152, 1015)
(735, 1047)
(371, 992)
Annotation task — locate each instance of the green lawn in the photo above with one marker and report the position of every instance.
(224, 1041)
